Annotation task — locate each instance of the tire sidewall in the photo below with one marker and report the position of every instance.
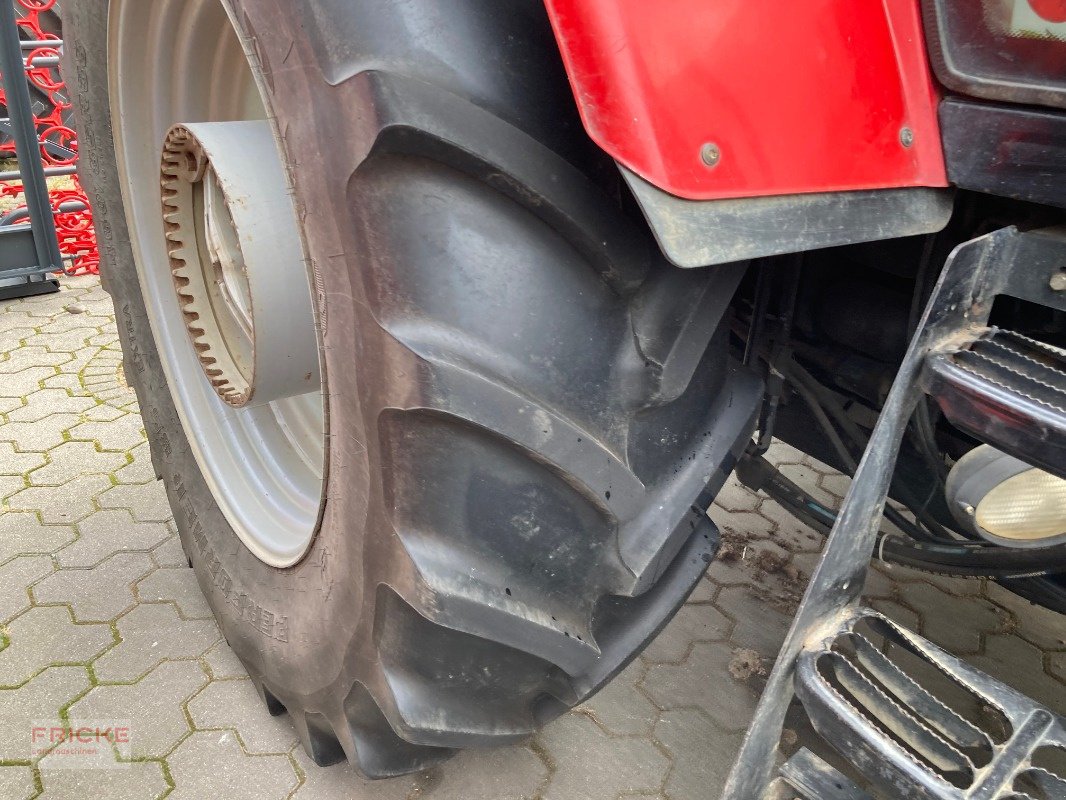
(292, 628)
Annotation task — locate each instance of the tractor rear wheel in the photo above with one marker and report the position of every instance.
(437, 423)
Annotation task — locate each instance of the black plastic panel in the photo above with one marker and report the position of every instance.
(1006, 151)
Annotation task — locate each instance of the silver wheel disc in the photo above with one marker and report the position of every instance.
(234, 321)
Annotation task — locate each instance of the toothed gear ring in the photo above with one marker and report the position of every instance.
(235, 252)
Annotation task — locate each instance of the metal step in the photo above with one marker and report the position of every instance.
(883, 697)
(1008, 390)
(869, 688)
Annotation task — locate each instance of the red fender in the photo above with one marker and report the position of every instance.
(710, 99)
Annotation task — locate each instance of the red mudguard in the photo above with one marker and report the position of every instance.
(792, 97)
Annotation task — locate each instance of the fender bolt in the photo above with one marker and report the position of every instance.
(710, 154)
(1058, 281)
(906, 137)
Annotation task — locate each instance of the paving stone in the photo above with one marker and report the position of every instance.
(121, 434)
(39, 699)
(703, 680)
(13, 462)
(211, 764)
(22, 533)
(736, 497)
(40, 435)
(15, 576)
(153, 706)
(141, 780)
(781, 453)
(178, 586)
(101, 412)
(170, 553)
(1036, 624)
(789, 532)
(141, 470)
(16, 783)
(704, 592)
(759, 625)
(1021, 665)
(151, 634)
(223, 662)
(693, 623)
(44, 636)
(591, 765)
(71, 459)
(147, 502)
(701, 751)
(342, 782)
(61, 504)
(28, 357)
(107, 532)
(809, 478)
(505, 773)
(741, 525)
(235, 704)
(621, 707)
(11, 484)
(1057, 666)
(906, 617)
(99, 594)
(943, 628)
(45, 402)
(836, 485)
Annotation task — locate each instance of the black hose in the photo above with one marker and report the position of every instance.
(823, 397)
(965, 559)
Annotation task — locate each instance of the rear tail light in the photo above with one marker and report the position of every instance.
(1009, 50)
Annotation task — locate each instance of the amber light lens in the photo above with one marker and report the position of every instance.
(1030, 508)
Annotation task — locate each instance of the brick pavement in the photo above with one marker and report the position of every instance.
(101, 618)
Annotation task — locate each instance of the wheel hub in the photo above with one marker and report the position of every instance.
(235, 259)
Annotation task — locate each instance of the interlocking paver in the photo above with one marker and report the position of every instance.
(98, 594)
(44, 636)
(178, 586)
(693, 623)
(341, 782)
(702, 753)
(13, 462)
(506, 773)
(39, 699)
(223, 662)
(759, 625)
(153, 706)
(141, 470)
(121, 434)
(16, 783)
(170, 553)
(23, 533)
(71, 459)
(212, 764)
(703, 680)
(151, 633)
(621, 708)
(591, 765)
(235, 704)
(142, 780)
(15, 578)
(40, 435)
(60, 504)
(107, 532)
(147, 502)
(1035, 624)
(943, 628)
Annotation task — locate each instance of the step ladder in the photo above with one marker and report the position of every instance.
(845, 662)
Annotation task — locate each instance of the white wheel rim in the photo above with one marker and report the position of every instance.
(179, 62)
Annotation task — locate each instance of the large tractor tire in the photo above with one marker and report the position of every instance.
(492, 494)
